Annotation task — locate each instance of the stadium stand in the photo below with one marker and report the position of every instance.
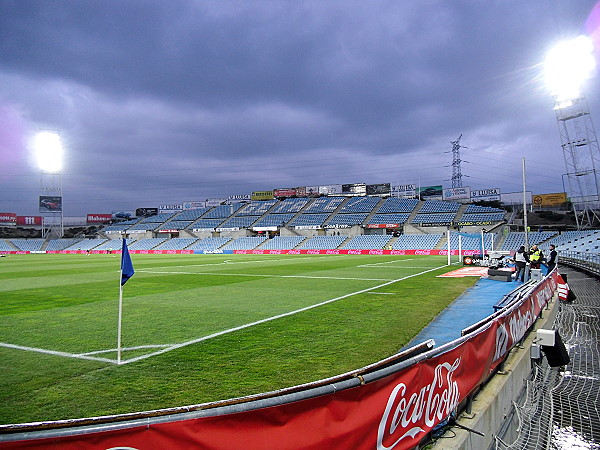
(87, 244)
(436, 206)
(5, 246)
(367, 241)
(119, 227)
(239, 222)
(483, 217)
(417, 242)
(256, 208)
(389, 218)
(28, 245)
(398, 205)
(208, 244)
(205, 224)
(114, 244)
(176, 244)
(359, 205)
(223, 211)
(274, 220)
(474, 209)
(283, 242)
(434, 218)
(323, 242)
(348, 219)
(245, 243)
(290, 205)
(174, 225)
(584, 241)
(323, 205)
(158, 218)
(515, 239)
(191, 214)
(146, 244)
(55, 245)
(304, 220)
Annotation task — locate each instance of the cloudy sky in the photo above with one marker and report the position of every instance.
(160, 102)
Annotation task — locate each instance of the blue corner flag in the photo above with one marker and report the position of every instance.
(126, 266)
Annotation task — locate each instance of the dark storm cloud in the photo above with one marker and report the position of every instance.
(161, 102)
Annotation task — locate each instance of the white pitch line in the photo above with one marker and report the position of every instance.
(386, 262)
(259, 275)
(269, 319)
(56, 353)
(382, 293)
(167, 348)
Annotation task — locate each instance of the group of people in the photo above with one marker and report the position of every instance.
(535, 258)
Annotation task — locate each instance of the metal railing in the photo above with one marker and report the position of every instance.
(589, 262)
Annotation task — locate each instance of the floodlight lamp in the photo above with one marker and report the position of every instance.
(48, 150)
(567, 66)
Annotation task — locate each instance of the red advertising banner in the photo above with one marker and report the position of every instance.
(29, 220)
(285, 192)
(344, 251)
(99, 218)
(8, 217)
(393, 412)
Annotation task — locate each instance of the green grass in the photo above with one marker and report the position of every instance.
(68, 303)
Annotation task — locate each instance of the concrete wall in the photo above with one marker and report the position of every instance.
(493, 403)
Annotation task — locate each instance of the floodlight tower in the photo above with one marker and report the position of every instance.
(49, 150)
(567, 66)
(456, 173)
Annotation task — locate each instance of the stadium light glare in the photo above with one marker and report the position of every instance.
(49, 151)
(567, 66)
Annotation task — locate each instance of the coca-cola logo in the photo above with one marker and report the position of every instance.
(398, 252)
(332, 252)
(313, 252)
(294, 252)
(408, 414)
(375, 252)
(354, 252)
(422, 252)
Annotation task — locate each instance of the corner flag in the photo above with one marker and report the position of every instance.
(126, 265)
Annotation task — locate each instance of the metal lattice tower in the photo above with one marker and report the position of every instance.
(456, 173)
(582, 160)
(51, 185)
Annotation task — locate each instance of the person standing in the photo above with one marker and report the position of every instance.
(535, 257)
(551, 263)
(521, 260)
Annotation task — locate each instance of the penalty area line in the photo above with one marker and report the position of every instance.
(269, 319)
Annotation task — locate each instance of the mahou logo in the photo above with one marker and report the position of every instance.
(407, 413)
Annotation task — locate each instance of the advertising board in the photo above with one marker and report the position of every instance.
(50, 204)
(10, 218)
(486, 195)
(458, 193)
(549, 200)
(98, 218)
(382, 189)
(262, 195)
(404, 191)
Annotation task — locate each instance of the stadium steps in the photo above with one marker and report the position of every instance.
(460, 212)
(391, 242)
(413, 214)
(374, 210)
(10, 244)
(337, 210)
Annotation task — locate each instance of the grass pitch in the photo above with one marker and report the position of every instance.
(200, 328)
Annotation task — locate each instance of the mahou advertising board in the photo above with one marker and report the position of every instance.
(380, 411)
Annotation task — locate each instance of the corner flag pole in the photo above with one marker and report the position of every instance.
(126, 273)
(119, 323)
